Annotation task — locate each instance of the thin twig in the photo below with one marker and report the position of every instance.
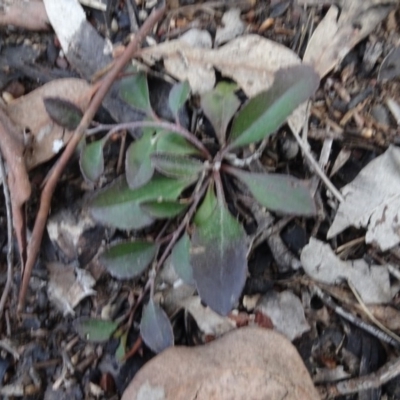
(48, 190)
(7, 198)
(354, 320)
(314, 164)
(369, 313)
(372, 381)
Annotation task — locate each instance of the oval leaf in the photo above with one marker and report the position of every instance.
(92, 160)
(277, 192)
(63, 112)
(176, 166)
(128, 260)
(138, 166)
(118, 206)
(155, 328)
(178, 96)
(135, 91)
(220, 106)
(266, 112)
(180, 259)
(169, 142)
(94, 330)
(218, 256)
(163, 209)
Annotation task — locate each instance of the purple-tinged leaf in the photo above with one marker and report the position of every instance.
(155, 328)
(92, 160)
(176, 166)
(266, 112)
(63, 112)
(220, 106)
(163, 209)
(218, 257)
(278, 192)
(128, 260)
(138, 167)
(135, 91)
(180, 259)
(118, 206)
(94, 330)
(178, 96)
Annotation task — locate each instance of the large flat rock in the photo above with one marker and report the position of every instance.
(249, 363)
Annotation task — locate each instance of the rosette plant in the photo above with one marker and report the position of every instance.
(173, 175)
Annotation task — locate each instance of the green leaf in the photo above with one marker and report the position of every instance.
(118, 206)
(277, 192)
(121, 350)
(94, 330)
(135, 91)
(220, 106)
(206, 208)
(180, 259)
(218, 256)
(178, 96)
(138, 166)
(63, 112)
(92, 160)
(176, 166)
(128, 260)
(163, 209)
(266, 112)
(155, 328)
(169, 142)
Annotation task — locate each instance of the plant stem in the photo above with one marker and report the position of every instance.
(178, 129)
(48, 190)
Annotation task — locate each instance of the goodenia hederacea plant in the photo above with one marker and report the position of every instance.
(171, 174)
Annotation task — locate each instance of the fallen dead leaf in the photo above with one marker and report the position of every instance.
(209, 322)
(248, 363)
(28, 112)
(341, 29)
(249, 60)
(371, 281)
(24, 14)
(232, 26)
(68, 286)
(12, 148)
(286, 313)
(390, 67)
(372, 201)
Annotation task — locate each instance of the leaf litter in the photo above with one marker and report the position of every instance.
(157, 318)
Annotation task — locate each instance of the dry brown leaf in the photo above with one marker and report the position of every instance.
(24, 14)
(372, 201)
(28, 112)
(12, 149)
(371, 281)
(248, 363)
(285, 311)
(68, 286)
(250, 60)
(337, 34)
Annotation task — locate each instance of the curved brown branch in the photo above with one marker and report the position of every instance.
(48, 190)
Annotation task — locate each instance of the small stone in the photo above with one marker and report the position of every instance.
(248, 363)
